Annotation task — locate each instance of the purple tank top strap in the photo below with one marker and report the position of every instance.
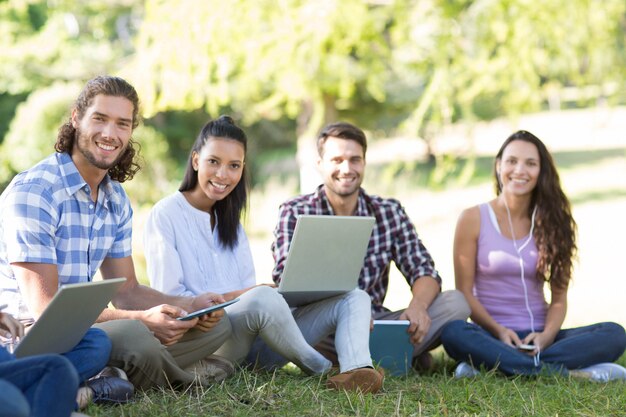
(497, 282)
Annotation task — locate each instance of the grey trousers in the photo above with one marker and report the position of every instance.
(150, 364)
(446, 307)
(262, 312)
(348, 315)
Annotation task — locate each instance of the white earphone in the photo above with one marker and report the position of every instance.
(521, 264)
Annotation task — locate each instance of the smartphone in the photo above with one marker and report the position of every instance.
(207, 310)
(529, 348)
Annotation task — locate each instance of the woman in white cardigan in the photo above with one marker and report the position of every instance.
(194, 243)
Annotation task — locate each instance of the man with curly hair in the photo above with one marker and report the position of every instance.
(68, 217)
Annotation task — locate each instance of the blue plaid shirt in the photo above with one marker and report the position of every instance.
(47, 216)
(394, 238)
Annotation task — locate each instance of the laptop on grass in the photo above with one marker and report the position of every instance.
(325, 257)
(72, 311)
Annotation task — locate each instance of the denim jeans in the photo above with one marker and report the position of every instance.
(43, 385)
(347, 315)
(91, 354)
(263, 312)
(12, 401)
(572, 348)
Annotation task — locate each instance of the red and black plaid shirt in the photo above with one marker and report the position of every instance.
(394, 239)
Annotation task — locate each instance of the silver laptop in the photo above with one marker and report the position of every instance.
(325, 257)
(72, 311)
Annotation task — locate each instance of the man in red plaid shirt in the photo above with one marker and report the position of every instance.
(341, 148)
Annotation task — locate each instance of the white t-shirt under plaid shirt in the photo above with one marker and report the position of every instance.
(394, 238)
(47, 216)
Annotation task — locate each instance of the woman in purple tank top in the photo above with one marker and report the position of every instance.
(505, 251)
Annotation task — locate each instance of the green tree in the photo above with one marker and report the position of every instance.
(158, 176)
(33, 130)
(264, 59)
(435, 61)
(485, 59)
(45, 42)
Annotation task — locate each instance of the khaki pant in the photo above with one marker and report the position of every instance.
(150, 364)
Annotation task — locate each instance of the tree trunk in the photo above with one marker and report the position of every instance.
(316, 112)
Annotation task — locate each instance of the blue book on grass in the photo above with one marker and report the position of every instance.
(391, 347)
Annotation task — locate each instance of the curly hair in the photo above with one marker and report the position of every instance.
(230, 209)
(555, 228)
(127, 166)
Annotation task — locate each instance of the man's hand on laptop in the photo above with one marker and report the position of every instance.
(208, 321)
(419, 322)
(10, 327)
(161, 320)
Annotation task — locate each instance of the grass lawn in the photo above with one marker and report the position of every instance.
(289, 393)
(595, 183)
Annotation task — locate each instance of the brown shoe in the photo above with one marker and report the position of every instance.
(362, 379)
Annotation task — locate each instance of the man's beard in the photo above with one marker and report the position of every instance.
(79, 138)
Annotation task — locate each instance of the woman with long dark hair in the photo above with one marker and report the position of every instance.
(195, 243)
(505, 251)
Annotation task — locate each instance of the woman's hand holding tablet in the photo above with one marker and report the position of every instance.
(207, 310)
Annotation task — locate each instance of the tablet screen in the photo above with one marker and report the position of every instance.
(207, 310)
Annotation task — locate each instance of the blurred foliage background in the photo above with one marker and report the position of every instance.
(284, 68)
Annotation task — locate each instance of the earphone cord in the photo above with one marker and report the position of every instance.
(536, 358)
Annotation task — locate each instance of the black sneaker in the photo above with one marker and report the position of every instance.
(110, 390)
